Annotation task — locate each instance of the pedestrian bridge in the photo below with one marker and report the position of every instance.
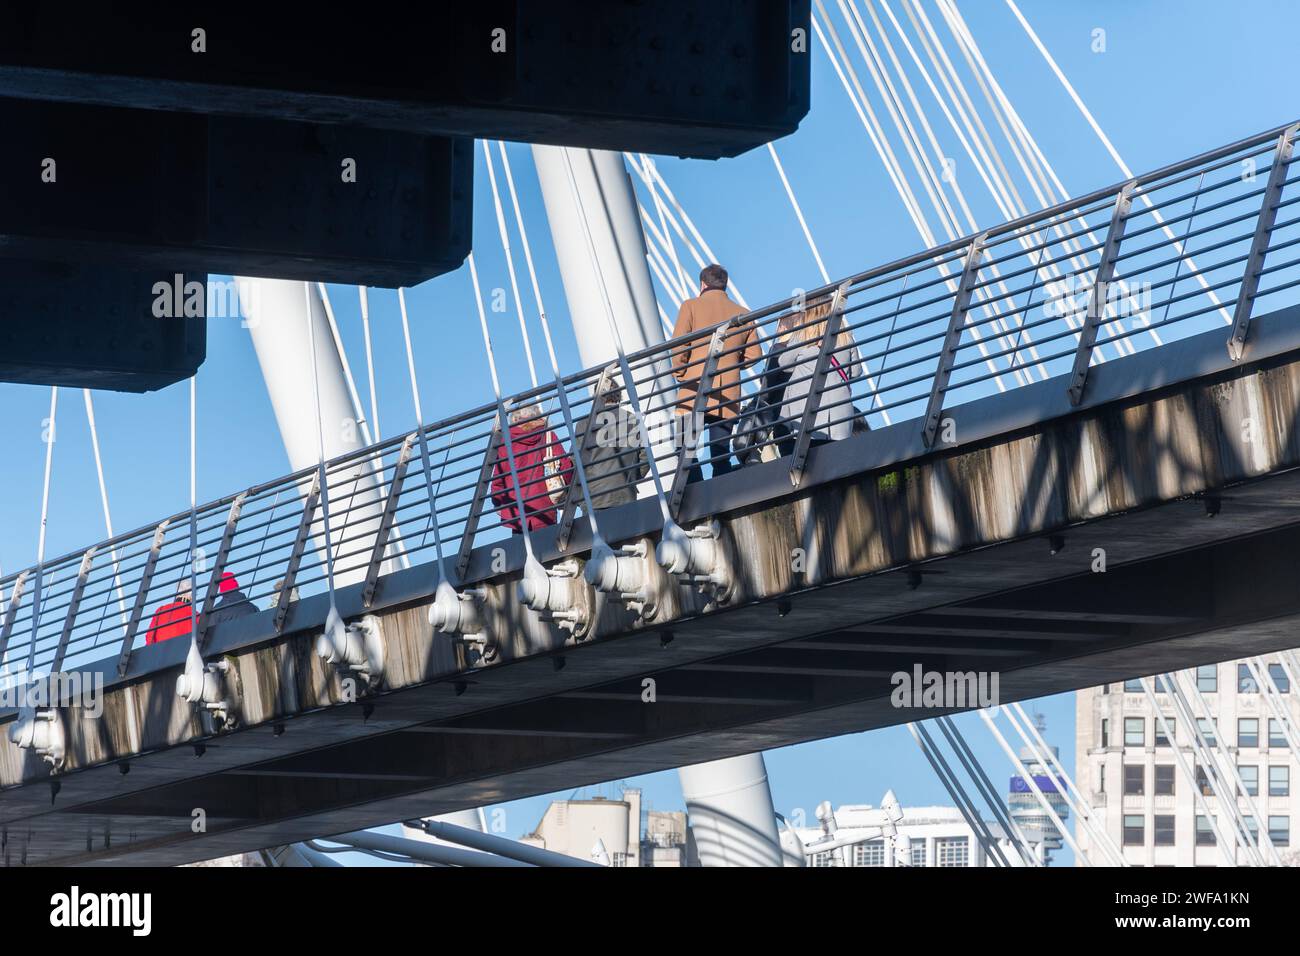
(1079, 466)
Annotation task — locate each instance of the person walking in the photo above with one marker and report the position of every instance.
(740, 348)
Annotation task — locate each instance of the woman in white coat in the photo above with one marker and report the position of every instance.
(835, 411)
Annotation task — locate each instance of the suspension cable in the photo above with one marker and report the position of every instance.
(103, 498)
(629, 381)
(574, 442)
(424, 441)
(370, 361)
(50, 436)
(320, 452)
(503, 419)
(876, 133)
(812, 245)
(357, 408)
(510, 261)
(1114, 154)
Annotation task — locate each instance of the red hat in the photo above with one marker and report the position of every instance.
(228, 583)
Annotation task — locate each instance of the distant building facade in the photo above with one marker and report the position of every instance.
(1125, 764)
(613, 832)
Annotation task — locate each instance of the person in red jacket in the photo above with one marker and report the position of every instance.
(544, 469)
(173, 619)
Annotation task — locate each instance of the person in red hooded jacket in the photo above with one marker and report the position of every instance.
(172, 619)
(539, 456)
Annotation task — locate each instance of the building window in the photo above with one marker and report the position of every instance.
(1279, 781)
(1252, 830)
(951, 851)
(1280, 679)
(1158, 731)
(1248, 732)
(1134, 780)
(871, 853)
(1246, 683)
(1209, 730)
(825, 859)
(918, 853)
(1134, 829)
(1204, 831)
(1207, 678)
(1134, 732)
(1203, 782)
(1164, 830)
(1276, 737)
(1133, 686)
(1279, 830)
(1250, 777)
(1164, 779)
(1105, 732)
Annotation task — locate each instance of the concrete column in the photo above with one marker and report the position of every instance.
(731, 815)
(275, 312)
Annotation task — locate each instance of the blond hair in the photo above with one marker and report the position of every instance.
(813, 321)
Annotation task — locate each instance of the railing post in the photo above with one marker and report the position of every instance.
(74, 604)
(296, 553)
(1097, 296)
(813, 400)
(218, 565)
(689, 452)
(952, 340)
(15, 598)
(476, 505)
(386, 520)
(141, 597)
(1259, 244)
(569, 503)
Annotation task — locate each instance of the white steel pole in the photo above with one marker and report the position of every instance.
(275, 313)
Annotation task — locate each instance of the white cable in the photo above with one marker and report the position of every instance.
(103, 499)
(925, 169)
(320, 453)
(798, 214)
(821, 266)
(421, 431)
(51, 435)
(1009, 207)
(992, 303)
(886, 153)
(651, 174)
(983, 143)
(502, 418)
(510, 261)
(1025, 150)
(1114, 154)
(575, 446)
(629, 381)
(358, 410)
(370, 361)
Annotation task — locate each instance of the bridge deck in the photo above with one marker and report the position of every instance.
(919, 545)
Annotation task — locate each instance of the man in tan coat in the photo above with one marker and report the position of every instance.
(740, 349)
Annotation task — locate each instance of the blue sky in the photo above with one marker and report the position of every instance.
(1176, 78)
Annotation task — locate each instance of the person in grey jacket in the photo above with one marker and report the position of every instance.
(835, 411)
(614, 458)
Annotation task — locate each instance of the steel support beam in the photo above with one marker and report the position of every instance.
(1259, 243)
(1095, 317)
(952, 339)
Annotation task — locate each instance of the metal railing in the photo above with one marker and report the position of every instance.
(1164, 256)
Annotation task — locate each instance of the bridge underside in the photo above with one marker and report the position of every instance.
(950, 568)
(750, 680)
